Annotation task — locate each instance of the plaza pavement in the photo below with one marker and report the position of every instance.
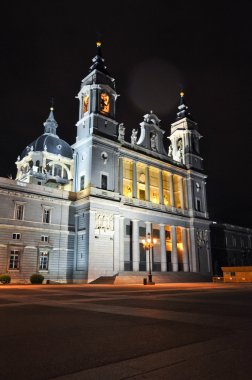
(172, 331)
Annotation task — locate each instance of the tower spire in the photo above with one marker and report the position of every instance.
(51, 124)
(98, 60)
(182, 108)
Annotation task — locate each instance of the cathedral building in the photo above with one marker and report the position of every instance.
(77, 213)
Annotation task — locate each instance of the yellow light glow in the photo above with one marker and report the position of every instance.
(104, 103)
(154, 241)
(85, 103)
(180, 246)
(98, 43)
(182, 93)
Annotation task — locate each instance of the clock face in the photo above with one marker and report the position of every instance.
(85, 103)
(104, 102)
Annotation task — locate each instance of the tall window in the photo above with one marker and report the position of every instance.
(46, 215)
(178, 190)
(14, 259)
(104, 181)
(198, 205)
(141, 181)
(43, 260)
(127, 178)
(154, 185)
(82, 182)
(19, 211)
(167, 188)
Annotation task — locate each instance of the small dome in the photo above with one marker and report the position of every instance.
(50, 143)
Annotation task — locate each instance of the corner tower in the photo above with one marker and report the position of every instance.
(185, 138)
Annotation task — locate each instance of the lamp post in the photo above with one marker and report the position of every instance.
(148, 245)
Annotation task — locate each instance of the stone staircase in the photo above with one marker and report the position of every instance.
(130, 278)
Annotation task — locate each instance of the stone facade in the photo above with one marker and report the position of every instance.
(231, 246)
(90, 222)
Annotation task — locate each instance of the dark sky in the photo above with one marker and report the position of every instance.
(152, 51)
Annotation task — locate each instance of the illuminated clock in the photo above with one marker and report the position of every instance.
(85, 103)
(104, 103)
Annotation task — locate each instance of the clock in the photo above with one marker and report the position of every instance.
(85, 103)
(104, 103)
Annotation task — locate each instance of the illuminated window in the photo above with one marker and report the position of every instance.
(178, 190)
(16, 236)
(43, 260)
(142, 195)
(85, 103)
(104, 102)
(141, 181)
(14, 259)
(127, 178)
(167, 188)
(154, 185)
(19, 211)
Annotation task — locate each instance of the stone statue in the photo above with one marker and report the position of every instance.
(170, 153)
(154, 142)
(134, 136)
(121, 132)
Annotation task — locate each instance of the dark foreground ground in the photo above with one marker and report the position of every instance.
(175, 331)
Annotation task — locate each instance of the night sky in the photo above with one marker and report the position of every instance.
(152, 51)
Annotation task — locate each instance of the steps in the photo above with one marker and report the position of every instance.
(161, 278)
(130, 278)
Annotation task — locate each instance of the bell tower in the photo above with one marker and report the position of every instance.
(97, 112)
(97, 100)
(185, 138)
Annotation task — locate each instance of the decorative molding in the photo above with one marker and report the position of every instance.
(104, 221)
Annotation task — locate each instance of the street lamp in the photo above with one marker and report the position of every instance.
(148, 244)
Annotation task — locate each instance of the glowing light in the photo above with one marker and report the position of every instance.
(51, 109)
(182, 93)
(98, 43)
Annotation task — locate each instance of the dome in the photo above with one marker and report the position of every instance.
(50, 143)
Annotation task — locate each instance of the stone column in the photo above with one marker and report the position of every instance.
(190, 196)
(174, 253)
(172, 191)
(185, 250)
(185, 193)
(121, 175)
(76, 224)
(134, 173)
(161, 195)
(117, 240)
(163, 248)
(147, 184)
(135, 245)
(203, 186)
(194, 250)
(121, 243)
(148, 230)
